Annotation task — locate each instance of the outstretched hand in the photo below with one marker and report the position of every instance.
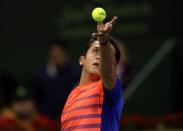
(104, 29)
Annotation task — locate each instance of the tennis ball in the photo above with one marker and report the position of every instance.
(98, 14)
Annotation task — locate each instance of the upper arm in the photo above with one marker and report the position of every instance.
(114, 96)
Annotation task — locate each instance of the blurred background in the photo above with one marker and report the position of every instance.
(41, 42)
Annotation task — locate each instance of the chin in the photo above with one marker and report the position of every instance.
(95, 72)
(96, 75)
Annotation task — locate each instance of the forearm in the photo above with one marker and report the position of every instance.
(107, 66)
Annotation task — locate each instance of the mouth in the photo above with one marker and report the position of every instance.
(96, 64)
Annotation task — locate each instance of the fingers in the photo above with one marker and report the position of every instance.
(97, 34)
(105, 28)
(100, 26)
(100, 23)
(113, 21)
(108, 25)
(94, 34)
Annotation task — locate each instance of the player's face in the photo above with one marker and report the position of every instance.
(90, 61)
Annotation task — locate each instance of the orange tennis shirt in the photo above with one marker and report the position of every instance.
(83, 108)
(91, 107)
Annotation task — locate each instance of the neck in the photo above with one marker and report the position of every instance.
(88, 78)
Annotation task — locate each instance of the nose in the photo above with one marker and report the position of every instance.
(98, 57)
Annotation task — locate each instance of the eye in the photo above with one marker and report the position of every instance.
(95, 50)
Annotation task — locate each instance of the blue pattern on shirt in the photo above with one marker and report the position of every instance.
(112, 108)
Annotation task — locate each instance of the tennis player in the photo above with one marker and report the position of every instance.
(96, 103)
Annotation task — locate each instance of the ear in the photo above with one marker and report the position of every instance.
(81, 60)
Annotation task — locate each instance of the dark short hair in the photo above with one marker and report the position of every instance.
(112, 41)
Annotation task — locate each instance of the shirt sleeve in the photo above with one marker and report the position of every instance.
(112, 97)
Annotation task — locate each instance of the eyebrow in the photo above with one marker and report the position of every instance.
(95, 47)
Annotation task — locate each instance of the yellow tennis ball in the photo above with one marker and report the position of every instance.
(98, 14)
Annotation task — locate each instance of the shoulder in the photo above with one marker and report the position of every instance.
(90, 87)
(112, 97)
(117, 87)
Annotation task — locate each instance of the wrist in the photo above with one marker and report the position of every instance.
(104, 43)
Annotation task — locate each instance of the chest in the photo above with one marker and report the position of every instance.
(84, 97)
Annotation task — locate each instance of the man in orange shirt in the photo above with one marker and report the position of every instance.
(96, 103)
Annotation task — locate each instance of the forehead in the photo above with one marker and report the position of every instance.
(96, 44)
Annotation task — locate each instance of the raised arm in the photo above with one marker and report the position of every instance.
(107, 57)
